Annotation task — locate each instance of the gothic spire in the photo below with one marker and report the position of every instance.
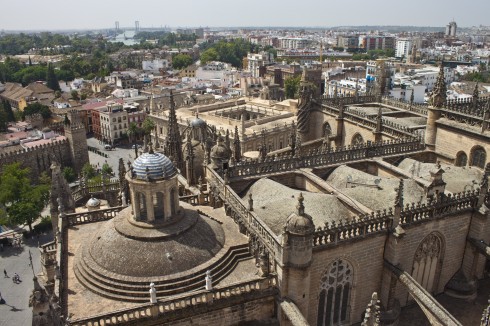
(237, 151)
(173, 143)
(439, 96)
(476, 92)
(371, 317)
(190, 161)
(399, 195)
(379, 120)
(304, 104)
(152, 104)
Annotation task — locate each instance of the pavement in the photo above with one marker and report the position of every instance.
(15, 310)
(123, 151)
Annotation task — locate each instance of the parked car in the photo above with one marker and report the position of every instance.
(107, 147)
(136, 146)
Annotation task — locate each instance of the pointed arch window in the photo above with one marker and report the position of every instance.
(427, 261)
(327, 130)
(335, 291)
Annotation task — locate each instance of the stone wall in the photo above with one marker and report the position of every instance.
(452, 230)
(367, 255)
(366, 259)
(38, 159)
(257, 312)
(450, 141)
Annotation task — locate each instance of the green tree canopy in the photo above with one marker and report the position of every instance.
(23, 201)
(107, 169)
(37, 107)
(180, 61)
(291, 86)
(88, 171)
(69, 174)
(51, 79)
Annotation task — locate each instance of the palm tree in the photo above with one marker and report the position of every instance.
(148, 126)
(133, 132)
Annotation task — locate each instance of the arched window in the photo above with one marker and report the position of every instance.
(142, 205)
(327, 130)
(158, 205)
(461, 159)
(357, 140)
(172, 201)
(335, 291)
(427, 261)
(478, 157)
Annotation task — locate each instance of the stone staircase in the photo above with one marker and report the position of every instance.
(130, 289)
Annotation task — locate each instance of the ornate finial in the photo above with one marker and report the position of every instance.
(399, 194)
(372, 315)
(150, 151)
(439, 96)
(379, 119)
(300, 207)
(250, 202)
(476, 92)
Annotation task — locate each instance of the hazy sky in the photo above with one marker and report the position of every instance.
(94, 14)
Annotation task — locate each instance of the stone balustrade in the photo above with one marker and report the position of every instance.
(321, 158)
(381, 221)
(92, 216)
(357, 228)
(241, 212)
(165, 307)
(97, 188)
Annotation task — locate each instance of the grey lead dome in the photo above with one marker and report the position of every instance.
(154, 165)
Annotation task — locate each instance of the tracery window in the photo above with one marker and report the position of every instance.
(335, 291)
(357, 140)
(327, 130)
(426, 262)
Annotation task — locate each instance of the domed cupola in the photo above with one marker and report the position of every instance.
(220, 153)
(153, 166)
(154, 188)
(93, 204)
(300, 223)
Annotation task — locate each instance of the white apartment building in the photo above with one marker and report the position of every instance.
(115, 119)
(293, 43)
(403, 48)
(428, 76)
(404, 92)
(256, 60)
(212, 70)
(154, 65)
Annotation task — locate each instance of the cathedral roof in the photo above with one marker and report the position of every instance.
(374, 192)
(153, 165)
(274, 202)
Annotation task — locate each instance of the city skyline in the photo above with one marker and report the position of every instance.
(219, 13)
